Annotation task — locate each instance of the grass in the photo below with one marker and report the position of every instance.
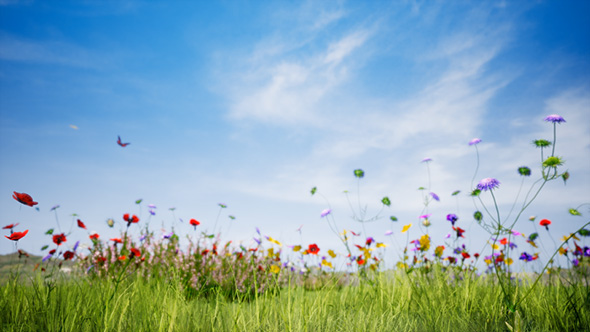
(386, 301)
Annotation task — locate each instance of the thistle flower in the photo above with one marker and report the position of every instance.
(435, 196)
(452, 218)
(488, 184)
(554, 118)
(474, 141)
(541, 143)
(524, 171)
(325, 212)
(359, 173)
(553, 161)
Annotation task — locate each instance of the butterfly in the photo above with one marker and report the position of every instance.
(120, 143)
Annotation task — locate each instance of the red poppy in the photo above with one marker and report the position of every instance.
(68, 255)
(129, 219)
(17, 235)
(545, 223)
(117, 240)
(476, 255)
(135, 252)
(360, 261)
(59, 239)
(11, 226)
(122, 258)
(101, 259)
(465, 255)
(94, 236)
(204, 252)
(313, 249)
(195, 223)
(504, 241)
(459, 231)
(81, 224)
(23, 198)
(52, 251)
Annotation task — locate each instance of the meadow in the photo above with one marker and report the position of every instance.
(153, 283)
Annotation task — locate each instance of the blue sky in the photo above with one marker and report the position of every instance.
(252, 104)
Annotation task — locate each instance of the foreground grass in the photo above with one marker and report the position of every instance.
(387, 303)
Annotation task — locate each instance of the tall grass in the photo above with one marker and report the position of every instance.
(387, 301)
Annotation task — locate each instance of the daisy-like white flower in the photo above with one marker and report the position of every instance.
(488, 184)
(554, 118)
(474, 141)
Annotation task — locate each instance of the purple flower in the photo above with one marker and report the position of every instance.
(152, 206)
(257, 241)
(258, 230)
(76, 245)
(46, 258)
(448, 236)
(388, 233)
(425, 216)
(325, 212)
(488, 184)
(167, 235)
(576, 262)
(54, 207)
(554, 118)
(474, 141)
(425, 160)
(516, 233)
(512, 245)
(435, 196)
(152, 212)
(452, 218)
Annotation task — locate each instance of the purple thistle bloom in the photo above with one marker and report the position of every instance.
(576, 262)
(448, 236)
(46, 258)
(90, 267)
(141, 238)
(474, 141)
(167, 235)
(152, 212)
(152, 206)
(452, 218)
(435, 196)
(488, 184)
(257, 241)
(388, 233)
(76, 245)
(512, 245)
(587, 251)
(325, 212)
(554, 118)
(425, 160)
(258, 230)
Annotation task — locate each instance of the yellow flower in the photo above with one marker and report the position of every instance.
(562, 251)
(424, 242)
(406, 227)
(332, 253)
(271, 252)
(275, 269)
(564, 238)
(495, 246)
(274, 241)
(439, 251)
(509, 261)
(402, 265)
(381, 245)
(296, 248)
(326, 263)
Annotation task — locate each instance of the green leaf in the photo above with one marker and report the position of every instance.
(421, 188)
(49, 231)
(475, 192)
(533, 236)
(393, 218)
(359, 173)
(456, 192)
(232, 217)
(575, 212)
(44, 247)
(386, 201)
(313, 190)
(138, 201)
(584, 232)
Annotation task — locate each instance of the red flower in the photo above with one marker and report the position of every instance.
(11, 226)
(476, 255)
(195, 223)
(26, 199)
(504, 241)
(68, 255)
(52, 251)
(465, 255)
(360, 261)
(117, 240)
(545, 223)
(94, 236)
(459, 231)
(129, 219)
(59, 239)
(17, 235)
(204, 252)
(313, 249)
(135, 252)
(81, 224)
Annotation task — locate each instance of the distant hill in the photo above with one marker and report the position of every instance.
(22, 264)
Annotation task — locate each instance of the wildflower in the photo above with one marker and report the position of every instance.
(554, 118)
(111, 222)
(488, 184)
(152, 212)
(25, 199)
(326, 263)
(270, 239)
(194, 223)
(576, 262)
(477, 216)
(425, 216)
(381, 245)
(46, 258)
(68, 255)
(406, 227)
(369, 241)
(459, 231)
(525, 257)
(388, 233)
(94, 236)
(553, 162)
(81, 224)
(524, 171)
(11, 226)
(541, 143)
(465, 255)
(332, 253)
(359, 173)
(313, 249)
(545, 223)
(275, 269)
(386, 201)
(425, 160)
(424, 242)
(17, 235)
(117, 240)
(325, 212)
(504, 241)
(129, 219)
(474, 141)
(59, 239)
(296, 248)
(516, 233)
(76, 245)
(167, 235)
(135, 253)
(452, 218)
(53, 208)
(438, 251)
(532, 218)
(435, 196)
